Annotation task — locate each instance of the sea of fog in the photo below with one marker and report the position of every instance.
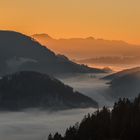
(36, 125)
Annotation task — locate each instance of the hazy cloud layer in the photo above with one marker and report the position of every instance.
(36, 125)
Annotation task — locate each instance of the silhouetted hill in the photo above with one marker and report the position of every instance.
(20, 52)
(122, 73)
(125, 83)
(29, 89)
(43, 36)
(120, 123)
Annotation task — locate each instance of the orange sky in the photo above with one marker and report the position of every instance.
(109, 19)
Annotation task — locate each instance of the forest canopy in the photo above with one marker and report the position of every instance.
(120, 123)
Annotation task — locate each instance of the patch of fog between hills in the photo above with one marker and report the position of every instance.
(90, 85)
(37, 125)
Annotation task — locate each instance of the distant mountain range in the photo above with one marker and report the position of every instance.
(20, 52)
(125, 83)
(83, 48)
(110, 60)
(27, 89)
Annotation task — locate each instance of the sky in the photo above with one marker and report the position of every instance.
(108, 19)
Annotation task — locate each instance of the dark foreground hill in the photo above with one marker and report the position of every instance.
(120, 123)
(20, 52)
(29, 89)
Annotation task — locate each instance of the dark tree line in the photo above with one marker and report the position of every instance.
(120, 123)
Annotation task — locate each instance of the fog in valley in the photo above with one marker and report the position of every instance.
(91, 85)
(36, 125)
(69, 70)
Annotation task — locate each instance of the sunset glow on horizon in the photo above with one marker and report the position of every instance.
(109, 19)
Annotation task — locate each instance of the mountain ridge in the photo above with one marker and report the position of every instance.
(29, 89)
(20, 52)
(124, 84)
